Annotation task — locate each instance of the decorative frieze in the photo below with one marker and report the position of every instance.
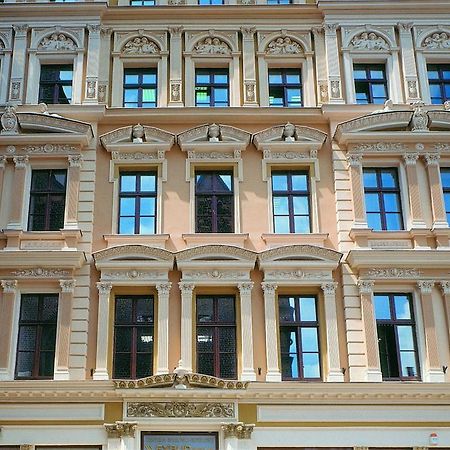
(40, 272)
(121, 429)
(214, 275)
(394, 273)
(391, 147)
(49, 148)
(239, 430)
(132, 275)
(181, 409)
(295, 275)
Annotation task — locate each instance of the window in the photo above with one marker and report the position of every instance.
(445, 176)
(139, 88)
(290, 197)
(133, 337)
(382, 197)
(299, 337)
(279, 2)
(216, 336)
(439, 80)
(285, 87)
(47, 200)
(137, 203)
(370, 83)
(55, 84)
(211, 87)
(143, 2)
(214, 211)
(210, 2)
(37, 336)
(396, 336)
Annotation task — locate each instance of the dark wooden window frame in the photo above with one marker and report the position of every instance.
(215, 325)
(298, 325)
(212, 86)
(380, 190)
(368, 79)
(140, 85)
(134, 325)
(49, 193)
(56, 82)
(39, 324)
(291, 193)
(138, 194)
(441, 81)
(284, 84)
(399, 322)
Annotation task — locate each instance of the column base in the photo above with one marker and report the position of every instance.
(101, 375)
(335, 376)
(248, 375)
(61, 375)
(435, 376)
(162, 371)
(374, 376)
(273, 377)
(5, 375)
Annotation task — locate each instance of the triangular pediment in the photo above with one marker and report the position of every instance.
(137, 134)
(214, 134)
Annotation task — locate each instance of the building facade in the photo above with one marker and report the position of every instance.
(225, 225)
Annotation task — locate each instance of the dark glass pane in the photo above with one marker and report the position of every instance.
(223, 183)
(204, 339)
(46, 364)
(144, 339)
(40, 180)
(288, 340)
(144, 363)
(204, 225)
(57, 206)
(227, 339)
(29, 307)
(122, 365)
(48, 338)
(225, 309)
(205, 309)
(205, 364)
(25, 362)
(289, 366)
(123, 339)
(228, 365)
(124, 310)
(58, 181)
(204, 182)
(287, 309)
(144, 310)
(388, 351)
(27, 338)
(276, 96)
(225, 206)
(224, 224)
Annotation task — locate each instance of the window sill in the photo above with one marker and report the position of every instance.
(195, 239)
(153, 240)
(276, 240)
(62, 240)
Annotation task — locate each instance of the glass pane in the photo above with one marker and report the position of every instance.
(408, 363)
(289, 366)
(144, 310)
(149, 95)
(131, 95)
(122, 339)
(148, 206)
(46, 364)
(27, 338)
(294, 96)
(293, 78)
(394, 222)
(225, 183)
(122, 365)
(288, 340)
(433, 74)
(391, 202)
(300, 182)
(275, 77)
(58, 181)
(25, 364)
(310, 341)
(311, 366)
(377, 74)
(202, 97)
(276, 96)
(39, 180)
(379, 90)
(372, 202)
(65, 94)
(50, 308)
(148, 183)
(202, 78)
(205, 364)
(149, 78)
(301, 224)
(382, 307)
(435, 90)
(221, 78)
(228, 365)
(29, 307)
(131, 78)
(405, 337)
(57, 208)
(359, 74)
(225, 309)
(282, 224)
(402, 307)
(124, 310)
(205, 309)
(286, 307)
(445, 175)
(221, 97)
(389, 179)
(127, 206)
(126, 225)
(374, 221)
(145, 339)
(147, 225)
(388, 351)
(144, 365)
(225, 206)
(308, 309)
(280, 205)
(227, 339)
(204, 339)
(370, 178)
(279, 182)
(128, 183)
(301, 205)
(48, 338)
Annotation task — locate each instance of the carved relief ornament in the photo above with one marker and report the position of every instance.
(437, 41)
(140, 45)
(212, 46)
(283, 46)
(369, 41)
(120, 429)
(239, 430)
(40, 272)
(9, 121)
(181, 409)
(394, 273)
(57, 42)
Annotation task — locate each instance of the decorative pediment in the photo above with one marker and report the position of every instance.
(369, 41)
(284, 43)
(133, 252)
(59, 42)
(140, 46)
(211, 46)
(212, 253)
(213, 134)
(294, 254)
(368, 38)
(432, 38)
(211, 43)
(140, 43)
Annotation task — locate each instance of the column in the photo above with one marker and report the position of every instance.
(410, 160)
(248, 56)
(15, 217)
(370, 328)
(270, 313)
(92, 68)
(245, 294)
(101, 362)
(121, 435)
(410, 80)
(445, 287)
(64, 326)
(334, 361)
(2, 175)
(435, 373)
(176, 67)
(186, 325)
(437, 200)
(332, 56)
(104, 68)
(19, 59)
(7, 304)
(73, 188)
(238, 436)
(162, 362)
(235, 80)
(321, 66)
(356, 179)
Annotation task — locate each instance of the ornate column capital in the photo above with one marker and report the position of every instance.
(163, 288)
(106, 31)
(67, 285)
(104, 288)
(329, 288)
(245, 288)
(185, 287)
(365, 286)
(425, 286)
(248, 32)
(405, 27)
(75, 160)
(176, 31)
(269, 288)
(317, 31)
(2, 161)
(239, 430)
(445, 287)
(94, 29)
(354, 159)
(330, 28)
(21, 29)
(410, 159)
(21, 161)
(9, 286)
(121, 429)
(432, 159)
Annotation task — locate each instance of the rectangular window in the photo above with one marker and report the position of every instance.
(133, 337)
(299, 338)
(137, 203)
(396, 336)
(439, 81)
(445, 177)
(382, 197)
(290, 197)
(279, 2)
(143, 2)
(216, 336)
(139, 88)
(212, 87)
(47, 200)
(210, 2)
(285, 87)
(55, 85)
(37, 336)
(370, 83)
(214, 209)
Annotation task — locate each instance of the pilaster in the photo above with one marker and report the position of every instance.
(7, 306)
(437, 199)
(92, 68)
(73, 188)
(356, 179)
(445, 287)
(249, 65)
(410, 161)
(101, 364)
(162, 362)
(176, 67)
(19, 59)
(322, 93)
(410, 79)
(16, 213)
(332, 56)
(104, 65)
(186, 325)
(245, 293)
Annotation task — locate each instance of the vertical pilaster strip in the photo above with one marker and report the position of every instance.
(410, 160)
(437, 199)
(356, 179)
(272, 352)
(101, 363)
(162, 362)
(2, 174)
(104, 65)
(410, 80)
(248, 55)
(15, 218)
(186, 325)
(370, 327)
(334, 362)
(92, 69)
(245, 293)
(64, 327)
(334, 72)
(321, 66)
(176, 67)
(435, 373)
(19, 59)
(6, 326)
(445, 287)
(73, 188)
